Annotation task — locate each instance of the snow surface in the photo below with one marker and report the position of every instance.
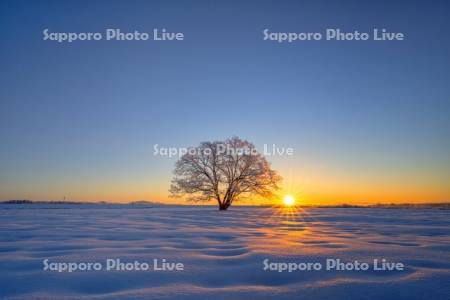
(222, 252)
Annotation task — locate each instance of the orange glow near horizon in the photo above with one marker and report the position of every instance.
(308, 196)
(311, 185)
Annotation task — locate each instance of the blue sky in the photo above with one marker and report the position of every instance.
(80, 119)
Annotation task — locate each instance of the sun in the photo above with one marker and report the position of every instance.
(288, 200)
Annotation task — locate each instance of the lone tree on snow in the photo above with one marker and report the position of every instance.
(223, 171)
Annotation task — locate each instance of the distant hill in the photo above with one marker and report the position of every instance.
(145, 202)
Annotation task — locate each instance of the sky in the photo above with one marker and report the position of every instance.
(369, 121)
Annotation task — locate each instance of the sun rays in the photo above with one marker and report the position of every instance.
(287, 211)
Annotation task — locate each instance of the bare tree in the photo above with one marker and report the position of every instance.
(223, 171)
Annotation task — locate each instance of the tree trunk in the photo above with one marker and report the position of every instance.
(223, 206)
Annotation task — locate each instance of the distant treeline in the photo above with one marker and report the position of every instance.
(142, 202)
(40, 202)
(441, 205)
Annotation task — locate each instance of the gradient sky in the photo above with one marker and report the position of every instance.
(369, 121)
